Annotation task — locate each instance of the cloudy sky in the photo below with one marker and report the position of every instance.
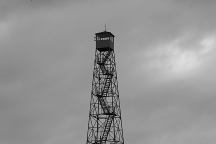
(165, 54)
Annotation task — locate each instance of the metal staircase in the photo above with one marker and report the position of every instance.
(107, 128)
(102, 98)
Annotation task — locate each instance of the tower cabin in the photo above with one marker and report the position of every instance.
(104, 41)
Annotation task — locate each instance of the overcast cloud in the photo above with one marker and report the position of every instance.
(165, 53)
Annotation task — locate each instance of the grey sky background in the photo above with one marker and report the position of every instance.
(165, 53)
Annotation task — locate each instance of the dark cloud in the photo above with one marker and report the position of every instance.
(8, 7)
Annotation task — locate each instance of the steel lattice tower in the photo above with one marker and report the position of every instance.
(105, 123)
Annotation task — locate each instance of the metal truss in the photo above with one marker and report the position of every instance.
(105, 123)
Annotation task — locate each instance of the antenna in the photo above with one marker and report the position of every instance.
(105, 27)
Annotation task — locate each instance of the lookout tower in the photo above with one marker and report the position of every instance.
(105, 122)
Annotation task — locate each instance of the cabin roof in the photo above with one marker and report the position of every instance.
(104, 34)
